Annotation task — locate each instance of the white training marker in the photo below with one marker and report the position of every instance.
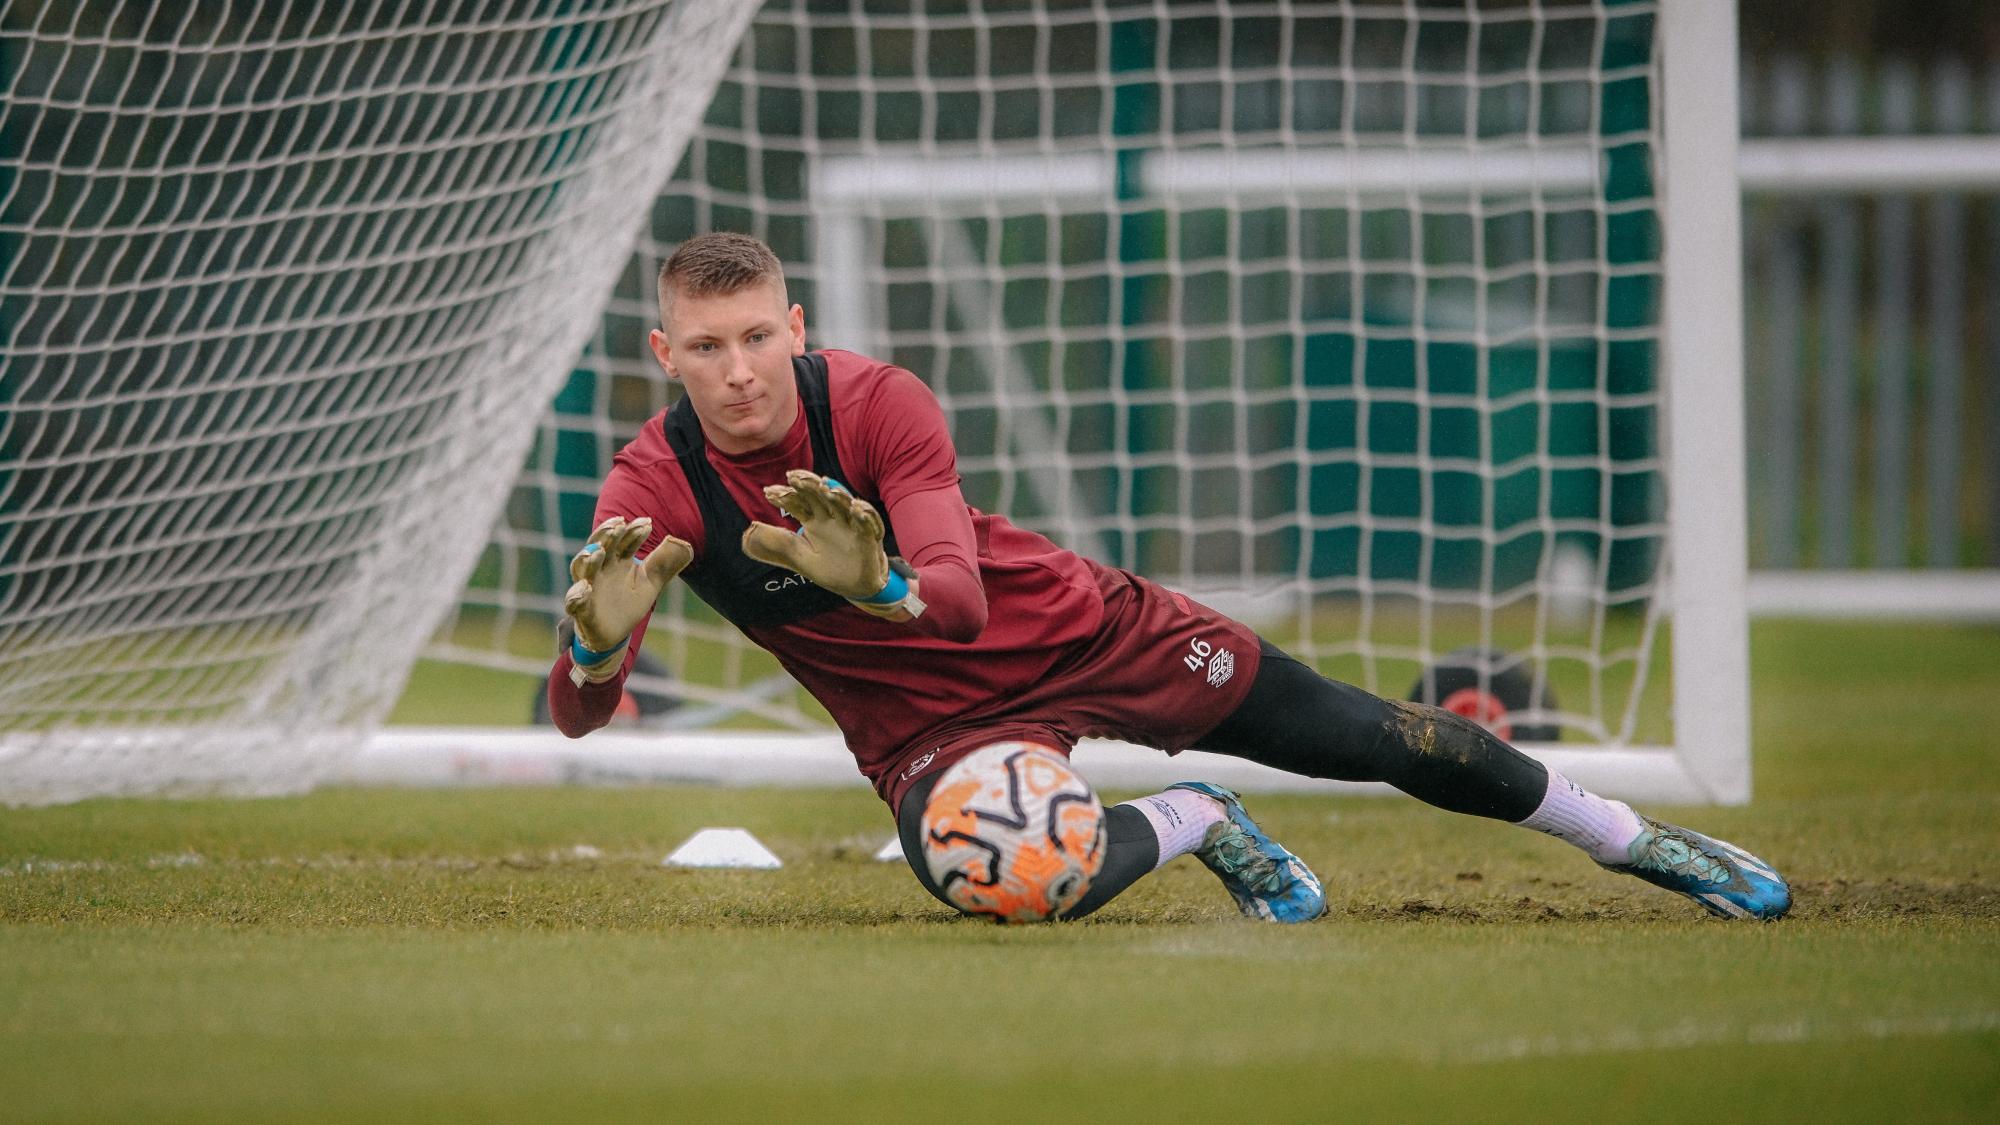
(722, 847)
(892, 852)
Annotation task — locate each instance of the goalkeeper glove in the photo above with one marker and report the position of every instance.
(614, 590)
(838, 546)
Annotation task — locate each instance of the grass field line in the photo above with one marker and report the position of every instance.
(581, 854)
(1690, 1034)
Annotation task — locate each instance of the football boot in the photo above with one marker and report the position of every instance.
(1265, 879)
(1726, 880)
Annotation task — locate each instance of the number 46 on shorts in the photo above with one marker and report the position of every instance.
(1219, 662)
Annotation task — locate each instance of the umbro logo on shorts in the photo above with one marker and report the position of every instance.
(1221, 666)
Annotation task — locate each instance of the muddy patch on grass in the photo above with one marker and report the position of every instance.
(1891, 898)
(1511, 911)
(1834, 900)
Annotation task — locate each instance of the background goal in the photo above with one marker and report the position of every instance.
(1352, 319)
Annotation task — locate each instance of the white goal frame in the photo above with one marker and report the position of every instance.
(467, 221)
(1709, 761)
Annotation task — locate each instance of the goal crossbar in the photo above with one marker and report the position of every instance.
(478, 756)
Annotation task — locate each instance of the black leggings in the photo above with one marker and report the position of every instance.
(1297, 720)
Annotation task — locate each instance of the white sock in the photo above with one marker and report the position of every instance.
(1180, 818)
(1571, 813)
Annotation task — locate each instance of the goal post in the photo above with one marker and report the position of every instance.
(1703, 266)
(1398, 330)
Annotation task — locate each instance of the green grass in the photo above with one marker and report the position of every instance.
(706, 654)
(396, 955)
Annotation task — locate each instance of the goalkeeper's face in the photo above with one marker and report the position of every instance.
(733, 353)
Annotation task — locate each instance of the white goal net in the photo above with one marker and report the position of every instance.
(284, 287)
(1349, 318)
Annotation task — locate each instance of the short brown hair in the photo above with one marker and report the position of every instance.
(720, 263)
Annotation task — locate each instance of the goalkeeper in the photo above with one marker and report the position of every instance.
(812, 499)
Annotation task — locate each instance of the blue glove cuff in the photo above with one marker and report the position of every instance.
(896, 590)
(583, 656)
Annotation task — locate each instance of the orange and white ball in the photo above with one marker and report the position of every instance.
(1012, 833)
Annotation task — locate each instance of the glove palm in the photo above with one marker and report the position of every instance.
(839, 542)
(613, 589)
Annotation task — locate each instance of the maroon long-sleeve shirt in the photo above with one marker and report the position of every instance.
(1001, 602)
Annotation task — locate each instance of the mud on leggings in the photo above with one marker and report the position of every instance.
(1297, 720)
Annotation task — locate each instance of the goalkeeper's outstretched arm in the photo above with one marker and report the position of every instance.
(609, 602)
(839, 546)
(934, 530)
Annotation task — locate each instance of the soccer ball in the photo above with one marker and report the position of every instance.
(1013, 834)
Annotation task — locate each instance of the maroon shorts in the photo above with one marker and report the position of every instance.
(1162, 671)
